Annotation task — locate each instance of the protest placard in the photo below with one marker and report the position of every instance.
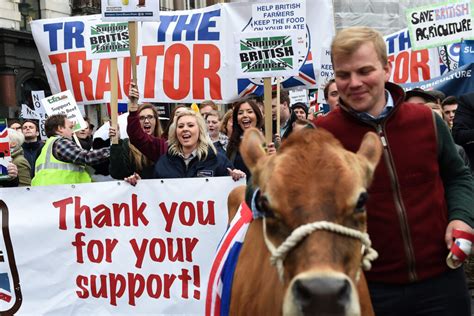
(64, 103)
(130, 10)
(279, 16)
(297, 96)
(325, 74)
(105, 40)
(112, 249)
(5, 155)
(269, 55)
(180, 62)
(440, 24)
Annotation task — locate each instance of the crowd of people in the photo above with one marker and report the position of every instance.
(421, 192)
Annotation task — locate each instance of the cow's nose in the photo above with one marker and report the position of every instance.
(322, 296)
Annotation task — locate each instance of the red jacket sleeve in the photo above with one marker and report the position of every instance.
(152, 147)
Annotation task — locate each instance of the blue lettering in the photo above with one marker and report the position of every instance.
(404, 41)
(165, 21)
(73, 30)
(52, 29)
(190, 27)
(206, 23)
(391, 44)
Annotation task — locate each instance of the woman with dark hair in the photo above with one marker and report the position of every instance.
(125, 158)
(246, 114)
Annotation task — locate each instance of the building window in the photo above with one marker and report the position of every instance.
(29, 10)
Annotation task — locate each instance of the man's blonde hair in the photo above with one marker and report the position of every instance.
(348, 40)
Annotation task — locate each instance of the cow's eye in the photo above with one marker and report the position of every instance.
(263, 205)
(360, 205)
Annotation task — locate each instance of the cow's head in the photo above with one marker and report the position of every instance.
(313, 179)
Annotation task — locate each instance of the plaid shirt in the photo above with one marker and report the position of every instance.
(66, 150)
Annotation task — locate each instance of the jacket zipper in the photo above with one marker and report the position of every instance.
(399, 206)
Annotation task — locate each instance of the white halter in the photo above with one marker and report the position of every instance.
(279, 254)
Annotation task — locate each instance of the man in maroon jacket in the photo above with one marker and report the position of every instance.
(421, 189)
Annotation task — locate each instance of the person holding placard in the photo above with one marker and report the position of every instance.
(191, 152)
(61, 160)
(151, 146)
(422, 194)
(126, 159)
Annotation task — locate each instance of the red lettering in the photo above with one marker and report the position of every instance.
(168, 215)
(182, 213)
(79, 244)
(190, 243)
(80, 69)
(95, 244)
(169, 73)
(101, 290)
(185, 278)
(178, 255)
(139, 251)
(209, 220)
(62, 205)
(211, 54)
(151, 53)
(162, 250)
(133, 292)
(114, 292)
(82, 282)
(169, 279)
(197, 282)
(419, 62)
(402, 65)
(57, 60)
(78, 210)
(103, 85)
(149, 286)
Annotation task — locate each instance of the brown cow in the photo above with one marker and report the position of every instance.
(311, 179)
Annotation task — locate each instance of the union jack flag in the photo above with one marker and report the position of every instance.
(5, 291)
(225, 261)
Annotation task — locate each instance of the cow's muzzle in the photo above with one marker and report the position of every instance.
(321, 294)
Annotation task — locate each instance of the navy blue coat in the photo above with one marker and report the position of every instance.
(170, 166)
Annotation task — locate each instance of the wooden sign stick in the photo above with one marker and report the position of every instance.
(267, 101)
(278, 107)
(132, 30)
(114, 97)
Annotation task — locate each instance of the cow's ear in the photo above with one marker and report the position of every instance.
(371, 149)
(251, 147)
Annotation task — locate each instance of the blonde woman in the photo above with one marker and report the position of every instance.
(190, 152)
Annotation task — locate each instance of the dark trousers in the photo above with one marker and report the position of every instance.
(444, 295)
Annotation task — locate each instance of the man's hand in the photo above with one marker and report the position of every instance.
(133, 98)
(455, 224)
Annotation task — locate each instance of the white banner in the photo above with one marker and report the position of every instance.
(187, 57)
(109, 248)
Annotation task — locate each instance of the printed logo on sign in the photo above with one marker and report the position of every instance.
(109, 38)
(261, 54)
